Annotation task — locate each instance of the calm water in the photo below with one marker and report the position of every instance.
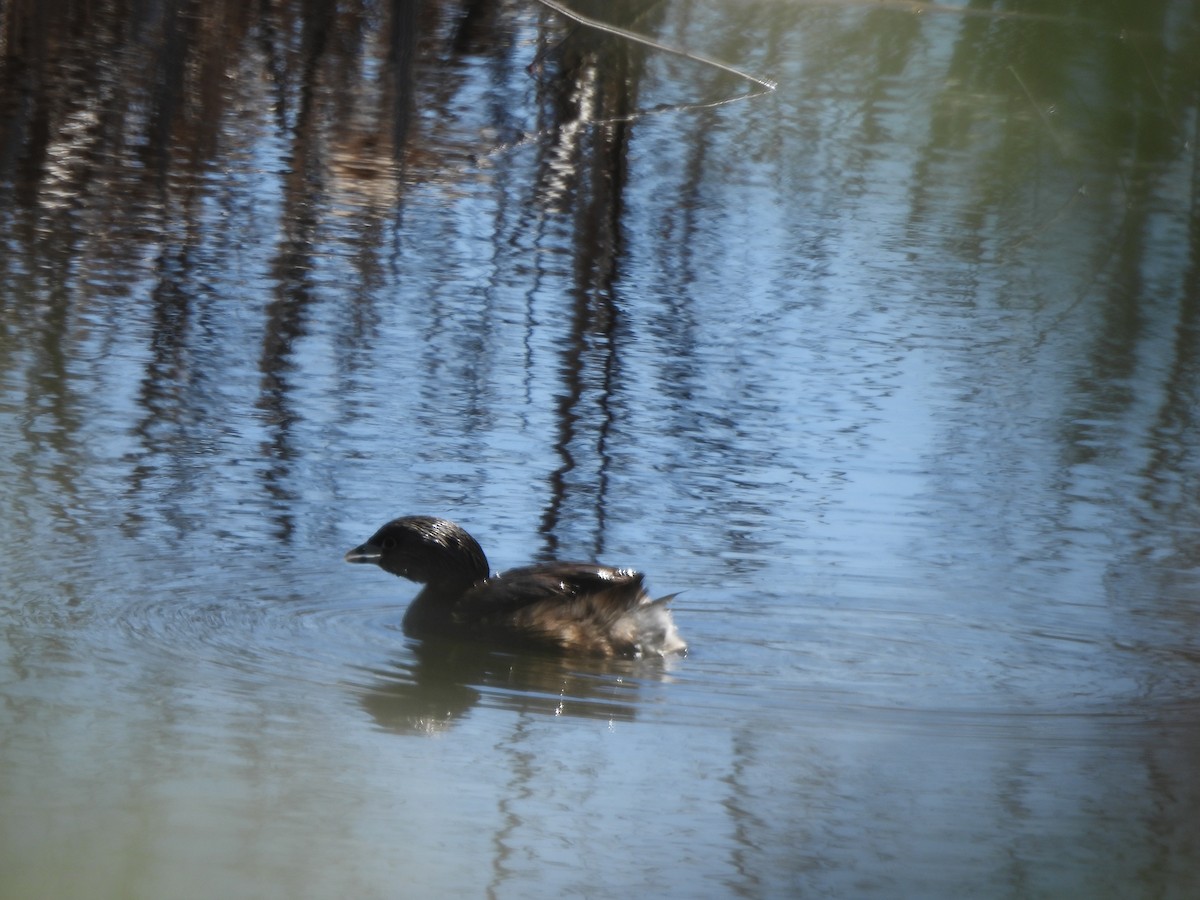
(893, 372)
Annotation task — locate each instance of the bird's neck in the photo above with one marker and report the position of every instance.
(432, 610)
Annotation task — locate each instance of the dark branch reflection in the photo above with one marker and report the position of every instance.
(587, 103)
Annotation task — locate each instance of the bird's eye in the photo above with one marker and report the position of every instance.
(388, 543)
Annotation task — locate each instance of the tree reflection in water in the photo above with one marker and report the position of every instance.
(893, 371)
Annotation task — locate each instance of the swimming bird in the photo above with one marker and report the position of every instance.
(567, 607)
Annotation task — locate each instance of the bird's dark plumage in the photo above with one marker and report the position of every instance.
(568, 607)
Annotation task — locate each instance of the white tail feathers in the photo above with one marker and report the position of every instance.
(651, 629)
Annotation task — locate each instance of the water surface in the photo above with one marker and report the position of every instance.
(891, 372)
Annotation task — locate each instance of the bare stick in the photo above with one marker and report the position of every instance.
(649, 42)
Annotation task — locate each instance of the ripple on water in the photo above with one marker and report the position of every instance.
(263, 637)
(358, 646)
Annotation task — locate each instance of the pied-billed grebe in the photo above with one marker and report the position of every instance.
(568, 607)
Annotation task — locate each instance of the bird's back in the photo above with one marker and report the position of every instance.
(574, 607)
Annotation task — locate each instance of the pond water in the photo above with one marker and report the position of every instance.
(871, 329)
